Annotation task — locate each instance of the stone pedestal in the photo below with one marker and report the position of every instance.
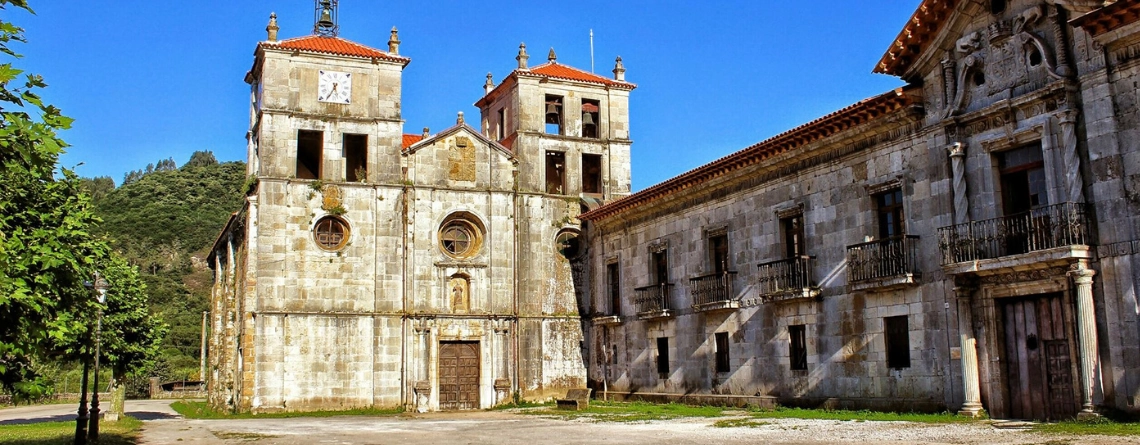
(423, 396)
(502, 391)
(972, 406)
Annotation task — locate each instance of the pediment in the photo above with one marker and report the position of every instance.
(461, 131)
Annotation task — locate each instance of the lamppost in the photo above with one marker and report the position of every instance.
(100, 286)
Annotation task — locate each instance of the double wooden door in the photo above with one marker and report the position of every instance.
(458, 375)
(1038, 358)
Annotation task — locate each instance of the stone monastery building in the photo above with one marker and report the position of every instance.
(970, 241)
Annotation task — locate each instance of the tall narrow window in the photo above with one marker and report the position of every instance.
(553, 114)
(555, 172)
(615, 288)
(663, 357)
(660, 267)
(889, 206)
(501, 129)
(793, 228)
(718, 252)
(356, 157)
(897, 336)
(1022, 179)
(722, 363)
(591, 173)
(310, 144)
(590, 114)
(797, 347)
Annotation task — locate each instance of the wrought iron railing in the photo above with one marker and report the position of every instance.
(654, 298)
(1038, 229)
(712, 288)
(886, 258)
(785, 276)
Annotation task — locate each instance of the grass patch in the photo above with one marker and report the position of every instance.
(201, 410)
(858, 416)
(522, 404)
(232, 435)
(739, 423)
(123, 432)
(600, 411)
(1099, 426)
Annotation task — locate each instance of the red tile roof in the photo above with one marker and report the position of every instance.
(333, 45)
(559, 71)
(1108, 18)
(843, 119)
(918, 32)
(411, 139)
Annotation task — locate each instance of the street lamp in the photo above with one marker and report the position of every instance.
(100, 286)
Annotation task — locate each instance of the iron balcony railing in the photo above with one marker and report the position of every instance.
(1042, 228)
(654, 298)
(791, 275)
(712, 288)
(891, 257)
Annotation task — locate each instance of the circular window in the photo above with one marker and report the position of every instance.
(568, 244)
(460, 238)
(331, 233)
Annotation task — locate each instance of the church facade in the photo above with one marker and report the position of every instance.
(431, 271)
(968, 241)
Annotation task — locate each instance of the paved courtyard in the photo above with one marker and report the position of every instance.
(164, 426)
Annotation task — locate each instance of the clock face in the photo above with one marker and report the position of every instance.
(335, 87)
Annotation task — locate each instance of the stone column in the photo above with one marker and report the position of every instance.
(1057, 21)
(948, 82)
(971, 386)
(1086, 336)
(422, 382)
(957, 152)
(1073, 180)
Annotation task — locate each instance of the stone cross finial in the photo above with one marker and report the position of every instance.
(426, 132)
(522, 56)
(551, 56)
(272, 28)
(394, 42)
(488, 85)
(459, 120)
(619, 70)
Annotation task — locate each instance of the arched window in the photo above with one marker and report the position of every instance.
(460, 236)
(568, 244)
(331, 233)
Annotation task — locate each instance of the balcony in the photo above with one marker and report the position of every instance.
(1043, 236)
(653, 301)
(713, 292)
(883, 264)
(607, 320)
(787, 280)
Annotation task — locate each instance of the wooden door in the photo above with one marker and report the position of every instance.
(458, 375)
(1038, 362)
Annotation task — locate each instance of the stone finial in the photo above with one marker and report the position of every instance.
(272, 28)
(426, 132)
(459, 120)
(394, 42)
(488, 85)
(522, 56)
(551, 56)
(619, 70)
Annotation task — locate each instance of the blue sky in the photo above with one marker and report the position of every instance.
(149, 80)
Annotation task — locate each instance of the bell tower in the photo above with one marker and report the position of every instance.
(568, 127)
(325, 18)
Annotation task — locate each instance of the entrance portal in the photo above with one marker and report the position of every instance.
(1038, 360)
(458, 375)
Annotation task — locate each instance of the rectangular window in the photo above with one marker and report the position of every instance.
(553, 114)
(718, 252)
(501, 129)
(590, 114)
(591, 173)
(797, 350)
(722, 364)
(555, 169)
(1022, 179)
(310, 145)
(613, 354)
(660, 267)
(356, 157)
(889, 207)
(615, 288)
(663, 357)
(793, 228)
(897, 336)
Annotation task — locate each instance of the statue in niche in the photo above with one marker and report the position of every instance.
(457, 291)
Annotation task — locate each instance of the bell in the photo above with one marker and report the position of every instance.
(326, 17)
(588, 119)
(551, 108)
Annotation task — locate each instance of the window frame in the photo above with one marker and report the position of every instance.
(560, 106)
(663, 357)
(553, 168)
(613, 279)
(797, 347)
(331, 221)
(355, 154)
(462, 223)
(310, 143)
(723, 360)
(890, 217)
(896, 341)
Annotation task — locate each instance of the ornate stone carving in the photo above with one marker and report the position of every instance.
(1024, 275)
